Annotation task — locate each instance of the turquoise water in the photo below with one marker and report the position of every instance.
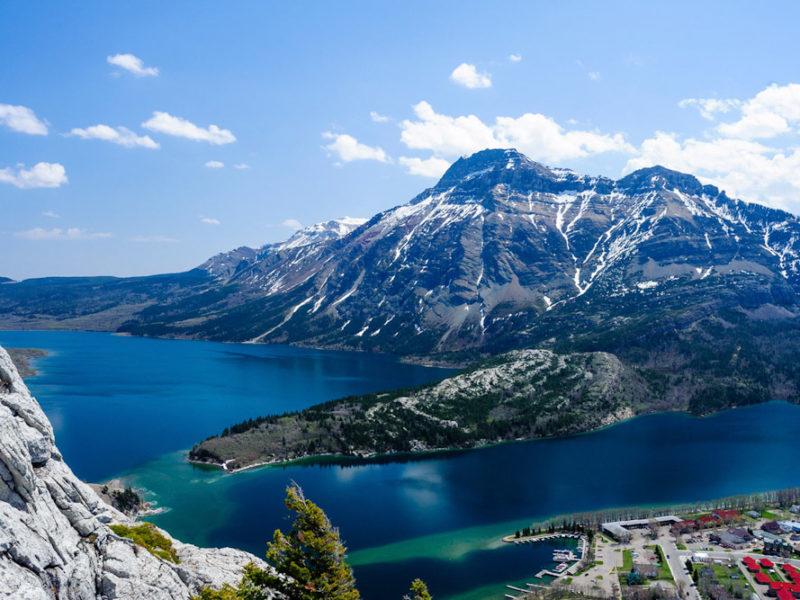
(130, 407)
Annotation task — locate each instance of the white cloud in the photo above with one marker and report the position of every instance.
(120, 135)
(347, 148)
(132, 63)
(40, 175)
(166, 123)
(379, 118)
(594, 75)
(241, 166)
(214, 164)
(292, 224)
(153, 239)
(51, 214)
(536, 135)
(209, 220)
(743, 168)
(22, 119)
(515, 57)
(769, 113)
(467, 75)
(710, 107)
(430, 167)
(73, 233)
(446, 135)
(729, 156)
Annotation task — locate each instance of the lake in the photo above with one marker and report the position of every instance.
(131, 407)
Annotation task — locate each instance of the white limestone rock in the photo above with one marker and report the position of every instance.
(55, 543)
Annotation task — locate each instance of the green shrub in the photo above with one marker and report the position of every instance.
(147, 536)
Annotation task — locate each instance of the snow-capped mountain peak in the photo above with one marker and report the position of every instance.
(319, 232)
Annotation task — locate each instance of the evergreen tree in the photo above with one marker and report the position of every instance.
(311, 555)
(309, 562)
(419, 591)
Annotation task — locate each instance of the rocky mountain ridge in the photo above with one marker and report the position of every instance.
(499, 245)
(55, 540)
(501, 253)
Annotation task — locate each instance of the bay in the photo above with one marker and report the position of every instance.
(131, 407)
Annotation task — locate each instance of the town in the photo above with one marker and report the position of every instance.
(745, 553)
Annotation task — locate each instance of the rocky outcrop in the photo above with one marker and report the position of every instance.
(55, 541)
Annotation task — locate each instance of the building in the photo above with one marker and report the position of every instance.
(700, 557)
(726, 516)
(795, 508)
(728, 540)
(767, 537)
(772, 527)
(762, 578)
(706, 521)
(619, 530)
(778, 548)
(682, 527)
(754, 514)
(767, 563)
(790, 525)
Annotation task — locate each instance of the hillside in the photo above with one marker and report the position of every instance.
(501, 253)
(527, 394)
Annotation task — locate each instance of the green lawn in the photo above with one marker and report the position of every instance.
(627, 561)
(664, 574)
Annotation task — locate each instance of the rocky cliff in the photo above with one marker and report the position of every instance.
(55, 540)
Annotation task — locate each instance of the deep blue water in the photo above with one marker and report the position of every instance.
(127, 406)
(116, 402)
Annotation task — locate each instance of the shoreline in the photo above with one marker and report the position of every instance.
(411, 456)
(148, 508)
(411, 359)
(24, 360)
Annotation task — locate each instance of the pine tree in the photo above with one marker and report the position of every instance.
(311, 555)
(420, 591)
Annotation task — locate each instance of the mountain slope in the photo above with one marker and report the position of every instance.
(105, 303)
(55, 539)
(498, 248)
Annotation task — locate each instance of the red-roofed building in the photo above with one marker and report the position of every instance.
(726, 516)
(777, 586)
(795, 589)
(762, 578)
(754, 568)
(748, 559)
(706, 521)
(767, 563)
(785, 595)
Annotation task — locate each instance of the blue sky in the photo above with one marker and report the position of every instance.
(113, 114)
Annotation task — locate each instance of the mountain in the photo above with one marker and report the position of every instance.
(502, 252)
(225, 266)
(56, 534)
(105, 303)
